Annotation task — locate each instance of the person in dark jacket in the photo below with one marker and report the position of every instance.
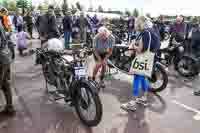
(131, 26)
(161, 27)
(83, 23)
(178, 30)
(67, 27)
(5, 61)
(47, 26)
(29, 23)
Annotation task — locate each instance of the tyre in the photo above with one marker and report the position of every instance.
(187, 67)
(158, 73)
(83, 101)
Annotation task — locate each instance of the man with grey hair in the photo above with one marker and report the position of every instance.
(102, 47)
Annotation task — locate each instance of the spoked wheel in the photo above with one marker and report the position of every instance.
(88, 106)
(159, 79)
(186, 67)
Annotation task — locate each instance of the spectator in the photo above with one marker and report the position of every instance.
(82, 25)
(103, 46)
(20, 22)
(67, 27)
(29, 23)
(141, 45)
(5, 61)
(131, 26)
(5, 19)
(161, 27)
(47, 26)
(22, 43)
(178, 30)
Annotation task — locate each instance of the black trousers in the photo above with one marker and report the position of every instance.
(5, 83)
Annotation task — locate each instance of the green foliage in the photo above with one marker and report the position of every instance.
(4, 3)
(78, 5)
(73, 9)
(22, 4)
(12, 6)
(65, 7)
(135, 13)
(128, 13)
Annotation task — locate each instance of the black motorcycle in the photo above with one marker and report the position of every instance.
(66, 72)
(172, 54)
(122, 60)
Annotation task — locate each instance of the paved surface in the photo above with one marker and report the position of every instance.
(172, 111)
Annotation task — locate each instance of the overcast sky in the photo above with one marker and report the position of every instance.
(154, 7)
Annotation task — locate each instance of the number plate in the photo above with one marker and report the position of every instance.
(80, 71)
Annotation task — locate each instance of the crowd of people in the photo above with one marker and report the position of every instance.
(149, 35)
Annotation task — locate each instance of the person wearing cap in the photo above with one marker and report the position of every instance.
(102, 47)
(67, 27)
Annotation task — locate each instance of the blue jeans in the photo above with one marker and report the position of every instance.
(67, 36)
(138, 79)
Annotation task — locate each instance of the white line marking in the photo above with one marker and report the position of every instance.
(195, 117)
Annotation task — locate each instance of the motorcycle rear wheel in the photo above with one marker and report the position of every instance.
(161, 70)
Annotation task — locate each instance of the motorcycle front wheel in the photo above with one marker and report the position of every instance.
(88, 105)
(159, 79)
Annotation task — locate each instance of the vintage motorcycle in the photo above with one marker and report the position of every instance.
(66, 71)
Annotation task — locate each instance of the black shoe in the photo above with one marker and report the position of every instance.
(197, 93)
(9, 110)
(102, 84)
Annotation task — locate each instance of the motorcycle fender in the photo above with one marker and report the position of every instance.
(77, 85)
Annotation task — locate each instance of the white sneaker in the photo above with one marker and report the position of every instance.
(130, 106)
(142, 100)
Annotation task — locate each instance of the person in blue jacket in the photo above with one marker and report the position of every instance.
(146, 35)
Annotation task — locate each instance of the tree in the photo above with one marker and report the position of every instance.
(135, 13)
(5, 3)
(74, 10)
(100, 8)
(40, 7)
(65, 6)
(128, 13)
(24, 4)
(78, 5)
(12, 6)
